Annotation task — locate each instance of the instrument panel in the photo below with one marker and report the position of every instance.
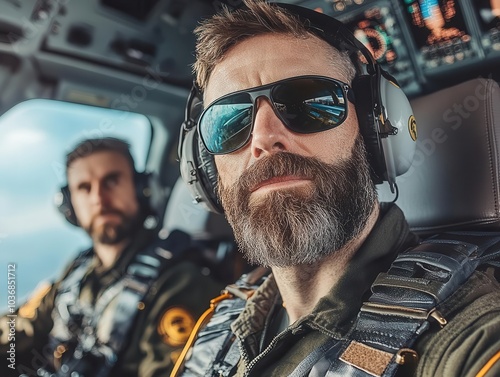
(424, 44)
(488, 12)
(439, 31)
(419, 41)
(380, 32)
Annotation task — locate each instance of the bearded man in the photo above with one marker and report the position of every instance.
(289, 145)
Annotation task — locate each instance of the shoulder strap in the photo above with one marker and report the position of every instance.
(140, 275)
(76, 271)
(217, 352)
(404, 299)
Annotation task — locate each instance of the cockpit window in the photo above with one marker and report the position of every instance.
(34, 139)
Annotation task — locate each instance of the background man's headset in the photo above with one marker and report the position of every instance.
(384, 114)
(142, 182)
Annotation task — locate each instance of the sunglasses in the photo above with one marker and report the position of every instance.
(305, 104)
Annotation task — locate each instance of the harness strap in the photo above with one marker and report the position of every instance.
(404, 300)
(140, 275)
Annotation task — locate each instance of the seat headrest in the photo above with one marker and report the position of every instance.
(453, 182)
(182, 214)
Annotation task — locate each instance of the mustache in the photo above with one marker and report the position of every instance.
(108, 211)
(104, 211)
(278, 165)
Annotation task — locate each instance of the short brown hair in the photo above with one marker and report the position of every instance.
(216, 35)
(105, 144)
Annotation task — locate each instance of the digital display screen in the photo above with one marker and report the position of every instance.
(435, 21)
(370, 28)
(489, 13)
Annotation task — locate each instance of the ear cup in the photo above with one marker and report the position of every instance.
(142, 183)
(400, 144)
(387, 125)
(62, 201)
(364, 95)
(197, 166)
(198, 170)
(209, 176)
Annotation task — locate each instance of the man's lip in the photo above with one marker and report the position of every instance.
(107, 215)
(278, 180)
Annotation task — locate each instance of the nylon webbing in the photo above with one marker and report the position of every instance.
(403, 301)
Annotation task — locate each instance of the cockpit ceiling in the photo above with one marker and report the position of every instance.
(421, 43)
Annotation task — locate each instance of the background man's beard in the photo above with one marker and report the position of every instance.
(297, 225)
(112, 233)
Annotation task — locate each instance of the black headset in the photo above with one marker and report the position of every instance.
(384, 114)
(142, 182)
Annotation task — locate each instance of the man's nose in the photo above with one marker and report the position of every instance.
(99, 194)
(269, 134)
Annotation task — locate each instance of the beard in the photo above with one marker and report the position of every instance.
(298, 226)
(110, 233)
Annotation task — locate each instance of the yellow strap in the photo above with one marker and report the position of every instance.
(204, 318)
(488, 365)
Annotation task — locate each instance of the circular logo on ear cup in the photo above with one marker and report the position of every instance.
(412, 127)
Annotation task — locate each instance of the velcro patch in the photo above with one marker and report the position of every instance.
(366, 358)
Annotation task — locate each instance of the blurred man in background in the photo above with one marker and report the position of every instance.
(124, 307)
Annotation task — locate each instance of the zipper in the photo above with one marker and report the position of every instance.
(250, 364)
